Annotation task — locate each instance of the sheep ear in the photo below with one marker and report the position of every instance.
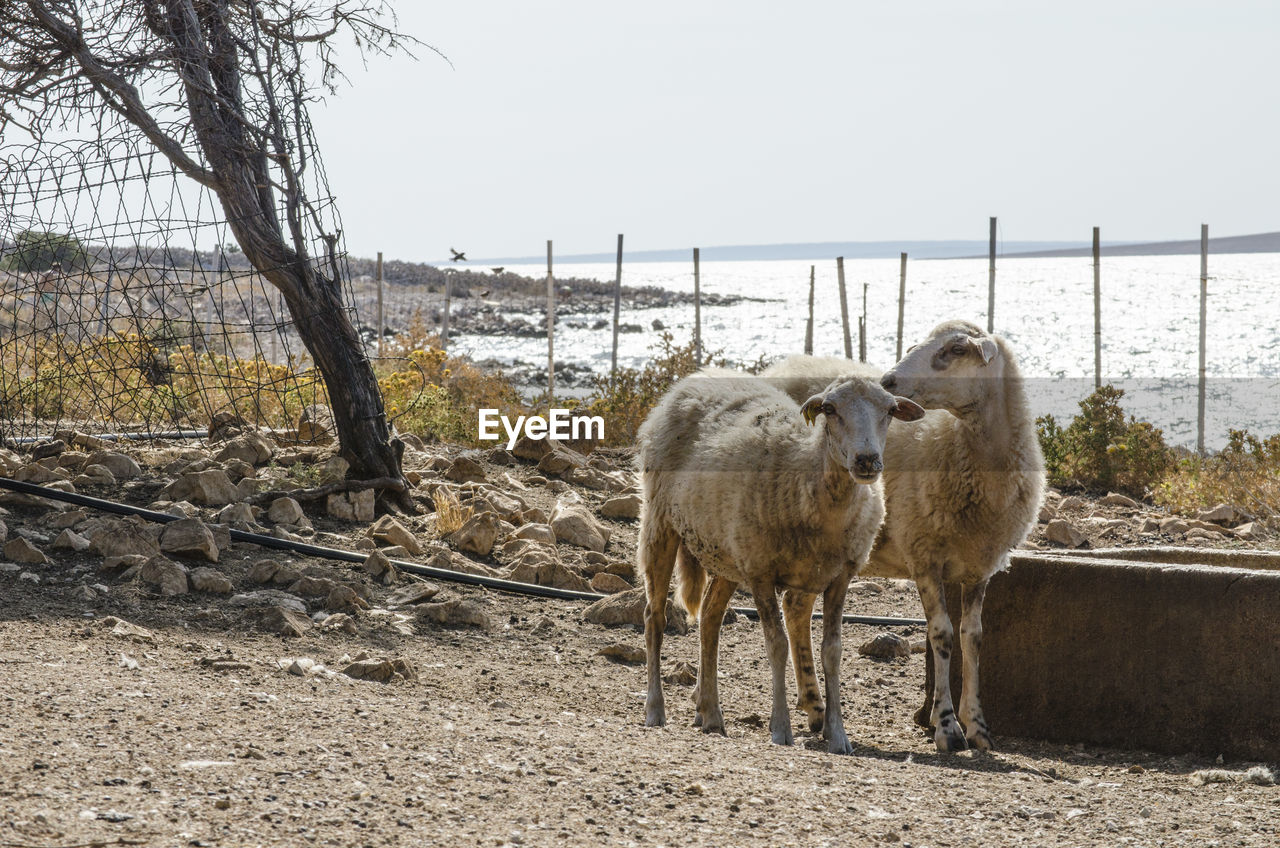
(906, 410)
(811, 409)
(986, 348)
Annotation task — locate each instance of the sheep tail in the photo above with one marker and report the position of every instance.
(691, 580)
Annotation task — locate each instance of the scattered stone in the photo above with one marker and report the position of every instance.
(413, 594)
(334, 470)
(886, 646)
(352, 506)
(126, 630)
(560, 460)
(381, 671)
(535, 533)
(532, 449)
(1117, 499)
(549, 573)
(238, 514)
(211, 488)
(477, 534)
(622, 506)
(1070, 502)
(682, 674)
(1150, 525)
(1047, 514)
(47, 449)
(263, 571)
(1248, 532)
(866, 587)
(300, 666)
(315, 424)
(543, 626)
(387, 530)
(20, 550)
(279, 620)
(307, 586)
(250, 447)
(609, 584)
(189, 537)
(340, 621)
(287, 511)
(343, 598)
(1063, 532)
(120, 564)
(380, 568)
(626, 654)
(574, 524)
(627, 609)
(534, 515)
(1174, 526)
(464, 469)
(205, 579)
(97, 475)
(165, 575)
(269, 597)
(70, 540)
(457, 613)
(1223, 513)
(501, 456)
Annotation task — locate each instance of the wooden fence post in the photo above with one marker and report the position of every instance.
(844, 309)
(991, 281)
(1097, 309)
(617, 307)
(448, 307)
(1204, 295)
(808, 330)
(902, 300)
(382, 315)
(551, 328)
(697, 309)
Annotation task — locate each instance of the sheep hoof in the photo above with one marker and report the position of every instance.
(980, 741)
(949, 737)
(697, 719)
(817, 717)
(781, 737)
(713, 724)
(655, 717)
(840, 745)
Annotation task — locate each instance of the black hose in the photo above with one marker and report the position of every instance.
(444, 575)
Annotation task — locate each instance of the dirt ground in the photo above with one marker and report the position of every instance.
(195, 733)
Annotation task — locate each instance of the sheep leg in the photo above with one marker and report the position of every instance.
(706, 696)
(832, 619)
(949, 736)
(797, 611)
(657, 558)
(971, 643)
(775, 636)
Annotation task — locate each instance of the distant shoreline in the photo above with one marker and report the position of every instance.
(943, 249)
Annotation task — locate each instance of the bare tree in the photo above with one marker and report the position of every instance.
(221, 88)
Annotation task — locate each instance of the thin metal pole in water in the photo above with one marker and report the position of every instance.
(808, 330)
(991, 281)
(382, 322)
(862, 327)
(551, 328)
(902, 302)
(1204, 295)
(1097, 309)
(697, 308)
(844, 309)
(617, 307)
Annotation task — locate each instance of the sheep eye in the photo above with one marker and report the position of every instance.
(828, 409)
(959, 349)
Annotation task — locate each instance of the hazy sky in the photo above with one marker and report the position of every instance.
(715, 123)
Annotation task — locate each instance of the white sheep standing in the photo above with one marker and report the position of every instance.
(738, 488)
(962, 489)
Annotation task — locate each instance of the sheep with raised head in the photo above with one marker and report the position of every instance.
(737, 488)
(962, 489)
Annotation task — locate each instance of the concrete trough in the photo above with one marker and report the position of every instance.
(1173, 658)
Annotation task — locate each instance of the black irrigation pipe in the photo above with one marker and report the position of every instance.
(444, 575)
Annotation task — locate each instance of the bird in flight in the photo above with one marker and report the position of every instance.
(499, 269)
(458, 255)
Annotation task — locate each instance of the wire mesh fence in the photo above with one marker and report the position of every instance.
(126, 306)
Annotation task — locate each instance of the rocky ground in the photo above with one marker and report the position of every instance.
(165, 685)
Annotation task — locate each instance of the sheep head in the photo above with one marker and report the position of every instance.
(950, 369)
(857, 413)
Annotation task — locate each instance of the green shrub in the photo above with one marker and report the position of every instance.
(1245, 473)
(1100, 450)
(34, 250)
